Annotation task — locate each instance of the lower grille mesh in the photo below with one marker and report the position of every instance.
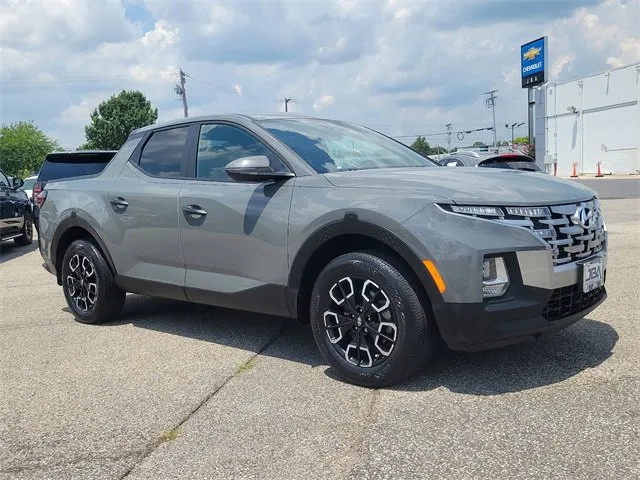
(566, 301)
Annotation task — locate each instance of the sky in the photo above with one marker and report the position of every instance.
(403, 67)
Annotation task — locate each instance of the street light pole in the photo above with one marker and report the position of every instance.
(513, 126)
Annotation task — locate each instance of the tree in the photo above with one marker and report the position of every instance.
(521, 140)
(421, 146)
(116, 117)
(23, 147)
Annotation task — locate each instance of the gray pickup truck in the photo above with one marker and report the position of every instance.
(384, 252)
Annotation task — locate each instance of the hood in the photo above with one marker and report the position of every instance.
(486, 186)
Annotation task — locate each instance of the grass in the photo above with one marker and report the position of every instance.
(245, 367)
(169, 436)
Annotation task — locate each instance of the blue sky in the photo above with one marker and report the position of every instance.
(404, 67)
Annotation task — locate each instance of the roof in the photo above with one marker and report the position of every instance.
(233, 117)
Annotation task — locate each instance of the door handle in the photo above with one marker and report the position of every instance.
(119, 204)
(194, 210)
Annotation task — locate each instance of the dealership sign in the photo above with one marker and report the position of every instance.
(533, 67)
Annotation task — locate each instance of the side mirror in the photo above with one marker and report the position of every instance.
(254, 169)
(17, 182)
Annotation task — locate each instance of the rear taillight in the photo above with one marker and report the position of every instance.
(37, 188)
(40, 198)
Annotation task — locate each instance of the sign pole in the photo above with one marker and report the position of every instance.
(531, 103)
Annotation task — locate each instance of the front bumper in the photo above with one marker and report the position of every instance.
(537, 302)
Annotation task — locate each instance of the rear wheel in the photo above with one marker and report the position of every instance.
(27, 232)
(88, 284)
(368, 321)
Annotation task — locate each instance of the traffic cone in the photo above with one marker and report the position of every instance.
(574, 173)
(599, 173)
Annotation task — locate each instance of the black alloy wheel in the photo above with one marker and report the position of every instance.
(88, 284)
(368, 320)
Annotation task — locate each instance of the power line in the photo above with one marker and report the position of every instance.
(459, 134)
(182, 92)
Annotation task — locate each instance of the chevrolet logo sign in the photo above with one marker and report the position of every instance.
(532, 53)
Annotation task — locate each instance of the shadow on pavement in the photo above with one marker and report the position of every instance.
(9, 250)
(516, 368)
(551, 360)
(248, 331)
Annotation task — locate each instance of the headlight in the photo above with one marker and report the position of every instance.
(495, 279)
(529, 211)
(474, 210)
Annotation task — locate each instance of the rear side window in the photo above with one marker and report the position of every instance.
(4, 182)
(164, 155)
(60, 165)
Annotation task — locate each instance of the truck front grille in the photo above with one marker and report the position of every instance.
(570, 237)
(566, 301)
(559, 227)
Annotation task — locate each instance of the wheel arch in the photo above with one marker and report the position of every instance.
(348, 235)
(70, 229)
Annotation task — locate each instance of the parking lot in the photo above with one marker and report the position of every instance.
(173, 390)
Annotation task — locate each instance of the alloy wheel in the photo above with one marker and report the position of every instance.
(82, 282)
(359, 322)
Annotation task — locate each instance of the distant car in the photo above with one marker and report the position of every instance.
(65, 165)
(29, 182)
(513, 161)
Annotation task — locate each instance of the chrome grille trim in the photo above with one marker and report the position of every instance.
(568, 240)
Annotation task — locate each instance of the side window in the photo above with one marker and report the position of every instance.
(220, 144)
(164, 155)
(4, 182)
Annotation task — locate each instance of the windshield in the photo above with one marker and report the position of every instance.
(28, 183)
(331, 146)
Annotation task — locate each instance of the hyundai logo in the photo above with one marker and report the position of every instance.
(583, 217)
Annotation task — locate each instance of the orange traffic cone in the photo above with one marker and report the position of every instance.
(574, 173)
(599, 173)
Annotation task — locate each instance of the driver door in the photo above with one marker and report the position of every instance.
(234, 234)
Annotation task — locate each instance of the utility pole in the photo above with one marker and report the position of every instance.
(449, 127)
(286, 103)
(180, 90)
(491, 103)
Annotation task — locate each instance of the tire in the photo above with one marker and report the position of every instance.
(396, 310)
(88, 284)
(27, 232)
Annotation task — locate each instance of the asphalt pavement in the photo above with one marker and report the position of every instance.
(613, 187)
(172, 390)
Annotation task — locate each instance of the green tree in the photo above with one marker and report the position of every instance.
(521, 140)
(116, 117)
(421, 146)
(23, 147)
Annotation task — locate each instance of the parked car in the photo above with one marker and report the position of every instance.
(382, 251)
(63, 165)
(16, 218)
(29, 182)
(514, 161)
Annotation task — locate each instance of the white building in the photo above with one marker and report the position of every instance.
(595, 119)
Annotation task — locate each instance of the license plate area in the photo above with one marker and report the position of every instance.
(592, 274)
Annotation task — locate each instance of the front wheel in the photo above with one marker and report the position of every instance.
(368, 321)
(88, 284)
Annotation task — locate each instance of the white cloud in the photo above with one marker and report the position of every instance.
(401, 66)
(323, 102)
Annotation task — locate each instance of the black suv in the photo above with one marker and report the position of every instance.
(16, 216)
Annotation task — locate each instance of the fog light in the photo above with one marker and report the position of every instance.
(495, 279)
